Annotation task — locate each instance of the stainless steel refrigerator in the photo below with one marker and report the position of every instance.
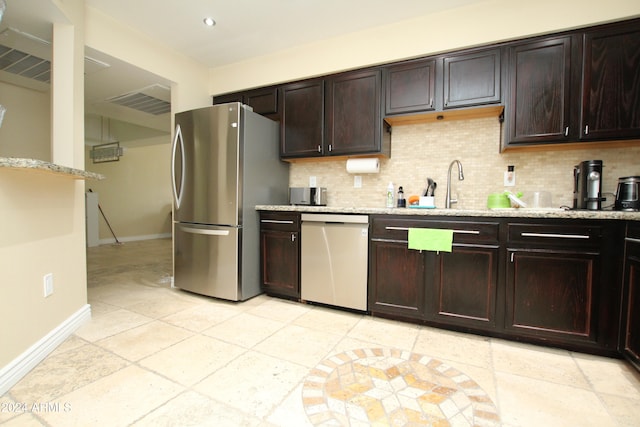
(225, 160)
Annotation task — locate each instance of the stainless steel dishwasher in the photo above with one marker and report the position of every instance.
(334, 256)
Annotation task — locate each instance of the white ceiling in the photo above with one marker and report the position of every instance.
(249, 28)
(244, 29)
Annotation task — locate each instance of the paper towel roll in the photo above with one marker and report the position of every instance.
(363, 165)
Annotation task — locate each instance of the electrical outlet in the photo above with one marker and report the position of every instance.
(357, 181)
(312, 181)
(509, 178)
(48, 284)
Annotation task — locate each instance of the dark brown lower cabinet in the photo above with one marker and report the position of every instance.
(631, 301)
(563, 283)
(552, 294)
(555, 282)
(464, 287)
(457, 288)
(396, 280)
(280, 254)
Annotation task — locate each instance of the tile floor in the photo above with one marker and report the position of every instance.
(154, 356)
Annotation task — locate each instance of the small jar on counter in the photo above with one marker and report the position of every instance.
(402, 202)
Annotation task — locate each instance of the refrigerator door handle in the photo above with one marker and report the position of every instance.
(177, 139)
(206, 231)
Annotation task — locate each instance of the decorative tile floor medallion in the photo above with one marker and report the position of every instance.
(392, 387)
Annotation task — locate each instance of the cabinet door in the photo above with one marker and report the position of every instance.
(631, 337)
(472, 79)
(550, 294)
(228, 97)
(611, 91)
(464, 288)
(302, 119)
(540, 92)
(280, 262)
(396, 280)
(353, 113)
(410, 87)
(264, 101)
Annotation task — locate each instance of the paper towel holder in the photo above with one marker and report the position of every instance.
(363, 165)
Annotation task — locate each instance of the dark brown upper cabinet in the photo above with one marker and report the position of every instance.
(264, 100)
(611, 83)
(472, 79)
(410, 87)
(228, 97)
(353, 114)
(465, 79)
(339, 115)
(541, 85)
(302, 124)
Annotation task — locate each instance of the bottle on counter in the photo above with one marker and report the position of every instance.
(402, 202)
(390, 195)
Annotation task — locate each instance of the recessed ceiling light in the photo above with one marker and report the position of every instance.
(209, 22)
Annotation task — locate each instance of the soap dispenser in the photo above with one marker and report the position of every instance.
(390, 195)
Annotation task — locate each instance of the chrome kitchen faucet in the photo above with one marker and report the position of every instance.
(449, 200)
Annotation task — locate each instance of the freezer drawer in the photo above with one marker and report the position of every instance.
(334, 256)
(206, 260)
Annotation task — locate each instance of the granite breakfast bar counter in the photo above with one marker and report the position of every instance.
(551, 277)
(40, 166)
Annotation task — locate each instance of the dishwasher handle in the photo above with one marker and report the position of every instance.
(335, 218)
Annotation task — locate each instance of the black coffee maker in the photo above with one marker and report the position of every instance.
(587, 187)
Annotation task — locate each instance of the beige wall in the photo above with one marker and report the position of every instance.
(426, 150)
(136, 196)
(43, 215)
(479, 24)
(26, 129)
(42, 232)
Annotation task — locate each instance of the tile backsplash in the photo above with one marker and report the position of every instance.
(426, 150)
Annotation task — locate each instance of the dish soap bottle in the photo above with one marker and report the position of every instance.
(390, 195)
(402, 202)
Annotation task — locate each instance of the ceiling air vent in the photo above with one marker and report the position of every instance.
(29, 56)
(23, 64)
(145, 102)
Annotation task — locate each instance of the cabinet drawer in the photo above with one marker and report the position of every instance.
(282, 221)
(463, 231)
(557, 235)
(633, 232)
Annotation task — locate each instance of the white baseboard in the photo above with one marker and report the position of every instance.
(21, 365)
(135, 238)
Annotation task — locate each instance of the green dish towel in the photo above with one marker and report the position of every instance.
(430, 239)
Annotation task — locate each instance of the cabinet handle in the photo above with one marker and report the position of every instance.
(293, 237)
(566, 131)
(512, 254)
(632, 240)
(330, 148)
(276, 221)
(319, 149)
(390, 228)
(586, 130)
(466, 232)
(552, 235)
(431, 102)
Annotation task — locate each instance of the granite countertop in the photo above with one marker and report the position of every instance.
(47, 167)
(493, 213)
